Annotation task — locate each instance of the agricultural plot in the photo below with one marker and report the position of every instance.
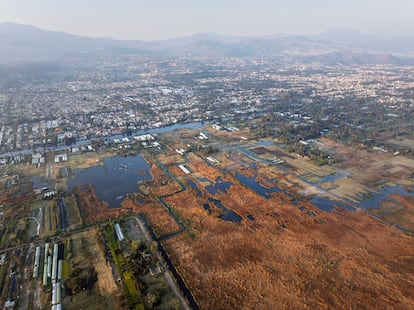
(137, 266)
(74, 217)
(404, 142)
(90, 276)
(49, 218)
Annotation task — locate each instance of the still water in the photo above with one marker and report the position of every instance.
(114, 179)
(228, 215)
(373, 200)
(219, 186)
(256, 186)
(194, 186)
(328, 205)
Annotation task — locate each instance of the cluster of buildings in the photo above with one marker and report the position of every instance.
(124, 97)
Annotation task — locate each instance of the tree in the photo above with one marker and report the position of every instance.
(135, 244)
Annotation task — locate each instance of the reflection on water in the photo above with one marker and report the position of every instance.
(116, 178)
(373, 201)
(256, 186)
(367, 202)
(219, 186)
(332, 178)
(327, 204)
(203, 180)
(206, 207)
(228, 215)
(194, 186)
(264, 143)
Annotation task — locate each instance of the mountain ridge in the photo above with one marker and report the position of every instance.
(19, 43)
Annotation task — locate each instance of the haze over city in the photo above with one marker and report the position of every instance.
(154, 20)
(206, 155)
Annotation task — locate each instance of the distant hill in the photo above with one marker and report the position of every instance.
(27, 43)
(23, 43)
(358, 40)
(353, 58)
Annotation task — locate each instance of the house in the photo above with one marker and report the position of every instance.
(61, 158)
(37, 159)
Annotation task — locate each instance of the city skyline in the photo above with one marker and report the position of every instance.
(157, 20)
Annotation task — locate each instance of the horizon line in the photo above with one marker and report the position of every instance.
(222, 34)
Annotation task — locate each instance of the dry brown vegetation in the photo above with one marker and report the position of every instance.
(88, 254)
(230, 136)
(399, 210)
(21, 193)
(288, 257)
(202, 169)
(106, 281)
(329, 261)
(157, 215)
(94, 210)
(371, 171)
(370, 168)
(160, 184)
(87, 160)
(168, 159)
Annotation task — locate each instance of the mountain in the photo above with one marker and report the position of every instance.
(358, 40)
(354, 58)
(23, 43)
(27, 43)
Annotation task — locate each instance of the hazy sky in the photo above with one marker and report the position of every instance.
(159, 19)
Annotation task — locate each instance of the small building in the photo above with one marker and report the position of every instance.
(61, 137)
(180, 151)
(49, 194)
(37, 159)
(15, 179)
(202, 136)
(146, 137)
(184, 168)
(118, 232)
(61, 158)
(212, 160)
